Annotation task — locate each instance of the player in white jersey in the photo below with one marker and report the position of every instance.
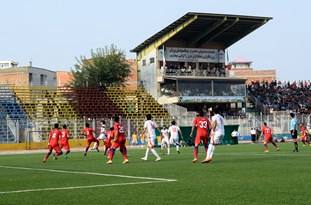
(175, 132)
(217, 134)
(102, 135)
(165, 142)
(150, 127)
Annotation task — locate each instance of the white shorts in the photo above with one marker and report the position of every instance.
(165, 141)
(218, 138)
(101, 137)
(151, 141)
(174, 140)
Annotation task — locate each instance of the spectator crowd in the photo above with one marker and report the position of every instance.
(189, 69)
(276, 95)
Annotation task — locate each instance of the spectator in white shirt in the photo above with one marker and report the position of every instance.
(235, 134)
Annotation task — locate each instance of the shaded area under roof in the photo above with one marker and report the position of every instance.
(225, 29)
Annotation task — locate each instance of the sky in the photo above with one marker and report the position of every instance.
(52, 33)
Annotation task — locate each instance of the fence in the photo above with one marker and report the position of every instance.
(26, 130)
(278, 121)
(37, 130)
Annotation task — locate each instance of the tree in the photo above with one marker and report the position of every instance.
(105, 67)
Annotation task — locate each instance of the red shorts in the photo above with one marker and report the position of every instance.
(90, 140)
(305, 138)
(56, 149)
(65, 146)
(107, 143)
(118, 143)
(268, 139)
(198, 139)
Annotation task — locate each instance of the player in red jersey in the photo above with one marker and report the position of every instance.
(118, 140)
(202, 125)
(64, 141)
(304, 135)
(108, 139)
(54, 136)
(89, 133)
(267, 133)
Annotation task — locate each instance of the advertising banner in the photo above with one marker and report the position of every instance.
(193, 55)
(211, 99)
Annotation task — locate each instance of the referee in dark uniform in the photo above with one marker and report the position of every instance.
(293, 130)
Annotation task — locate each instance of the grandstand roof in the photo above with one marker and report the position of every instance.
(207, 27)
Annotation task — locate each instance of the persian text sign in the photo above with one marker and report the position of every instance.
(211, 99)
(194, 55)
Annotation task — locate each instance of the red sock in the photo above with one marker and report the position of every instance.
(124, 153)
(111, 153)
(195, 152)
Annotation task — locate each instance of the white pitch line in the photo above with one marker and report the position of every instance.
(89, 173)
(263, 154)
(80, 187)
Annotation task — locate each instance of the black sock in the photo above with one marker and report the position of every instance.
(296, 146)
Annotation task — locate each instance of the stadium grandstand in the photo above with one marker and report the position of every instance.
(183, 65)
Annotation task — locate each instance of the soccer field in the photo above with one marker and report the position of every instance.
(240, 174)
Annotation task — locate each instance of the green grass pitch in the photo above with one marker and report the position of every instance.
(239, 174)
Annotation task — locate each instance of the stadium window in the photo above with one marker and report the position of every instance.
(43, 79)
(144, 62)
(30, 78)
(151, 60)
(232, 105)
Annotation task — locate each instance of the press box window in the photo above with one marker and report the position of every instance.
(30, 78)
(43, 79)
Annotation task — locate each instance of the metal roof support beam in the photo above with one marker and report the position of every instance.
(165, 38)
(252, 28)
(222, 30)
(208, 31)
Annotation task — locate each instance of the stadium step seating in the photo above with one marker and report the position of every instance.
(136, 104)
(6, 136)
(13, 116)
(90, 102)
(9, 104)
(41, 107)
